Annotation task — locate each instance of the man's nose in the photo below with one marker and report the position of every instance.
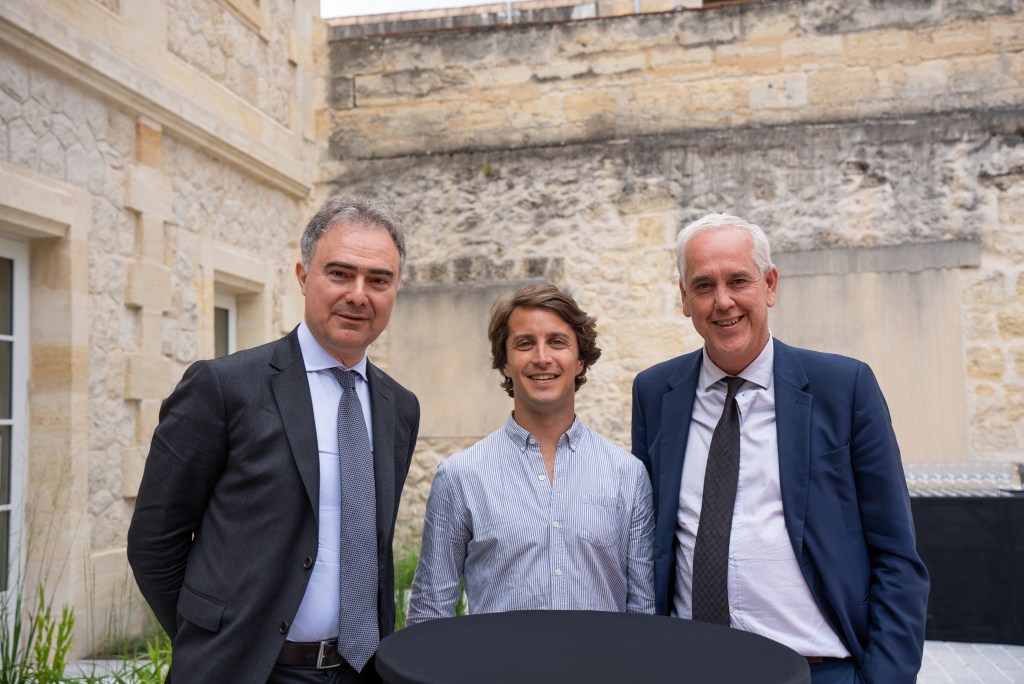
(541, 354)
(356, 292)
(723, 297)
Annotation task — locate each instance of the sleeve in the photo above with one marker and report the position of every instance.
(186, 457)
(639, 432)
(640, 556)
(437, 584)
(898, 592)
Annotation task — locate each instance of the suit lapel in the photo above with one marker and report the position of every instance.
(793, 429)
(676, 409)
(291, 392)
(383, 416)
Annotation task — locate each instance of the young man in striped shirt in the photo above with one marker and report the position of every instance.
(544, 513)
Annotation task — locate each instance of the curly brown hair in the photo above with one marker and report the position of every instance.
(549, 297)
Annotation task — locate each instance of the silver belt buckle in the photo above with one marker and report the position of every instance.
(325, 649)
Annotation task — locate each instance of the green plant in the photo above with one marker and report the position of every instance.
(405, 572)
(52, 641)
(153, 668)
(38, 654)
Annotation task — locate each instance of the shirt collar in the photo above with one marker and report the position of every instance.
(316, 358)
(520, 436)
(758, 372)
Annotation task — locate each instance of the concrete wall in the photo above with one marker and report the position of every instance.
(880, 131)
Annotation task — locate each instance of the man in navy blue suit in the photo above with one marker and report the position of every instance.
(820, 547)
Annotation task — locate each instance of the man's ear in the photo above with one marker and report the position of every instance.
(772, 279)
(300, 274)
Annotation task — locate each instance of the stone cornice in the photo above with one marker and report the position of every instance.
(234, 131)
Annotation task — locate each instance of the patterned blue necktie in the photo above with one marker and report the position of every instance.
(358, 631)
(710, 587)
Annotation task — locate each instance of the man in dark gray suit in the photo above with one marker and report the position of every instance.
(253, 543)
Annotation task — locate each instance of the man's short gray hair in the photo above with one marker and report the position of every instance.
(762, 252)
(352, 211)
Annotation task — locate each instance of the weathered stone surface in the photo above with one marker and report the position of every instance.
(253, 64)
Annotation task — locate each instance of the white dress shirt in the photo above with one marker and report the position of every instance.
(317, 617)
(521, 542)
(767, 591)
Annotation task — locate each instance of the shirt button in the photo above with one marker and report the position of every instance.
(558, 572)
(554, 524)
(542, 477)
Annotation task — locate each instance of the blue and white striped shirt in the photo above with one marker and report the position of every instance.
(522, 543)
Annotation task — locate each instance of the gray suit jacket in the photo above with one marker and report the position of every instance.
(224, 533)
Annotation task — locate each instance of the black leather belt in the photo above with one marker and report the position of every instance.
(817, 660)
(322, 655)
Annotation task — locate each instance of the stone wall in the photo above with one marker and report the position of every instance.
(145, 171)
(254, 64)
(850, 126)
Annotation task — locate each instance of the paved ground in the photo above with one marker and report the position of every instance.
(948, 662)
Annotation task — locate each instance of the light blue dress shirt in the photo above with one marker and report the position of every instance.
(520, 542)
(317, 617)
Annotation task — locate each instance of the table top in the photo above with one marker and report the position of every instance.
(541, 646)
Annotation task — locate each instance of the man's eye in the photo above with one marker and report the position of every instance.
(702, 288)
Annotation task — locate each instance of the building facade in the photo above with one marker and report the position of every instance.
(158, 159)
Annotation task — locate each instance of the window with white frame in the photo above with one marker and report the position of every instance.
(225, 324)
(13, 399)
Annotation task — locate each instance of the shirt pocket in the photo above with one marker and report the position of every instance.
(598, 521)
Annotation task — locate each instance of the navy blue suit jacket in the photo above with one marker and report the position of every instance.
(844, 498)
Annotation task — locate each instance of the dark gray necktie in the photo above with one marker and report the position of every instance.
(358, 631)
(711, 552)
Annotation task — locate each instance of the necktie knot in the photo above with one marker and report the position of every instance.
(733, 384)
(347, 378)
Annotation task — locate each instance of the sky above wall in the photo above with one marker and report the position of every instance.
(353, 8)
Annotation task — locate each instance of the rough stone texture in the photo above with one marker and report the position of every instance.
(80, 141)
(209, 199)
(219, 44)
(756, 63)
(154, 206)
(831, 124)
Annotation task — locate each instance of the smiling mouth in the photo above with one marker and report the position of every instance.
(547, 376)
(728, 323)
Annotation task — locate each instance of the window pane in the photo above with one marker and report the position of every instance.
(5, 465)
(220, 331)
(5, 379)
(6, 295)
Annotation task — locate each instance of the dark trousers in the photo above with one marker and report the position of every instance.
(288, 674)
(835, 672)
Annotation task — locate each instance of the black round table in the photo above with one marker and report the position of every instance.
(560, 647)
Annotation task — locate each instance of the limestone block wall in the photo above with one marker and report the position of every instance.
(758, 63)
(183, 178)
(849, 126)
(234, 44)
